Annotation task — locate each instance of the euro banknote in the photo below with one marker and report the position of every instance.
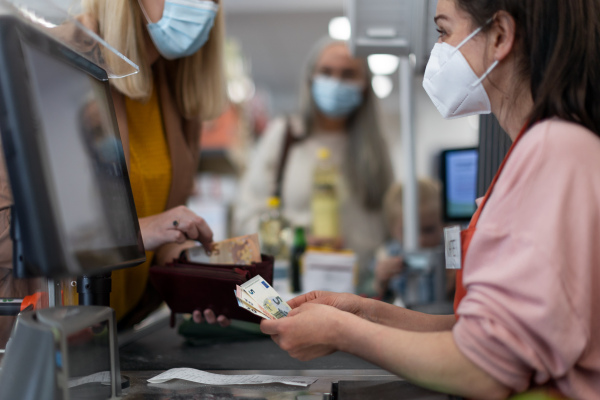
(263, 297)
(243, 250)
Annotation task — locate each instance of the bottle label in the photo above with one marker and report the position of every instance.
(325, 218)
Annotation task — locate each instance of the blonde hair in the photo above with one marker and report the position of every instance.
(197, 81)
(368, 165)
(429, 200)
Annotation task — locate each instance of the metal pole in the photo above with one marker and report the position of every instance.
(54, 295)
(410, 208)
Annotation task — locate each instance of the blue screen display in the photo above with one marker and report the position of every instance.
(461, 183)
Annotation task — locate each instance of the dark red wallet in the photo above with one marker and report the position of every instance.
(187, 286)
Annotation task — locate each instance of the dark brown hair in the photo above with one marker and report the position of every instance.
(559, 46)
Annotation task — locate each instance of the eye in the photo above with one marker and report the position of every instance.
(441, 33)
(349, 74)
(326, 71)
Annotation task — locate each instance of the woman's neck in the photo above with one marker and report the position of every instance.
(327, 124)
(152, 54)
(512, 107)
(516, 116)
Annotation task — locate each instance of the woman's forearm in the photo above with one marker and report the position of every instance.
(429, 359)
(402, 318)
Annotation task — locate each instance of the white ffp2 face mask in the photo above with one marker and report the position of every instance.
(452, 84)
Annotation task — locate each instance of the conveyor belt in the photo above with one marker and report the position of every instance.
(165, 349)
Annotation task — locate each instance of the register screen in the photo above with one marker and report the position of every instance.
(90, 202)
(460, 183)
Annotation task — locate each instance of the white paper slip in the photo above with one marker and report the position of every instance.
(99, 377)
(194, 375)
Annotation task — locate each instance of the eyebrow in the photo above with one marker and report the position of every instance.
(441, 16)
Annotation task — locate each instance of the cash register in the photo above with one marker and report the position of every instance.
(73, 212)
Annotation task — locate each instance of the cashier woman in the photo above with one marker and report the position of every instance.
(527, 312)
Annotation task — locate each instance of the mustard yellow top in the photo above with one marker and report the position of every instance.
(150, 176)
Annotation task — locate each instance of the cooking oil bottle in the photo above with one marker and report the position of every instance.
(325, 203)
(276, 237)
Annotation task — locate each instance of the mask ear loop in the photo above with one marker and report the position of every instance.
(144, 12)
(489, 70)
(475, 32)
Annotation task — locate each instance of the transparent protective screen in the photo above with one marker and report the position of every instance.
(84, 161)
(54, 18)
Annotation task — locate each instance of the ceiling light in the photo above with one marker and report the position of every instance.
(383, 64)
(382, 86)
(339, 28)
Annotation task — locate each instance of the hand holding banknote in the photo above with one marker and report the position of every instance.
(297, 334)
(309, 331)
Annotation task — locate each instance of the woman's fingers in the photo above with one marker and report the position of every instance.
(305, 298)
(269, 326)
(197, 316)
(194, 226)
(210, 316)
(174, 236)
(205, 234)
(298, 301)
(223, 321)
(188, 227)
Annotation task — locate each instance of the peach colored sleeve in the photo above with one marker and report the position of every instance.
(531, 270)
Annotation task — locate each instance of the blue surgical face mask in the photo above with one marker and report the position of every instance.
(336, 98)
(184, 27)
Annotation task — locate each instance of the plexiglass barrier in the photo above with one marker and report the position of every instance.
(61, 19)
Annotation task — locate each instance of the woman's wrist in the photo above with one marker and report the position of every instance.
(348, 332)
(369, 309)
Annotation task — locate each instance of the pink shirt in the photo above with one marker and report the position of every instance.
(532, 311)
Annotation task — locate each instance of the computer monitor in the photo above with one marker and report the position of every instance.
(459, 180)
(73, 210)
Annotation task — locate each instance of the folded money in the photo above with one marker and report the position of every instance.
(258, 297)
(243, 250)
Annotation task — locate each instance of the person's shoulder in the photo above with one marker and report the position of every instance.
(89, 21)
(278, 128)
(275, 128)
(565, 142)
(561, 134)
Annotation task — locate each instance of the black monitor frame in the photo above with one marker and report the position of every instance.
(38, 247)
(445, 189)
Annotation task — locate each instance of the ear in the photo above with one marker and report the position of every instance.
(502, 35)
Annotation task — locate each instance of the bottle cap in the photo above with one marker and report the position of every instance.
(273, 202)
(323, 153)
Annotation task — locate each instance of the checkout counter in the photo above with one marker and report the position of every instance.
(339, 375)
